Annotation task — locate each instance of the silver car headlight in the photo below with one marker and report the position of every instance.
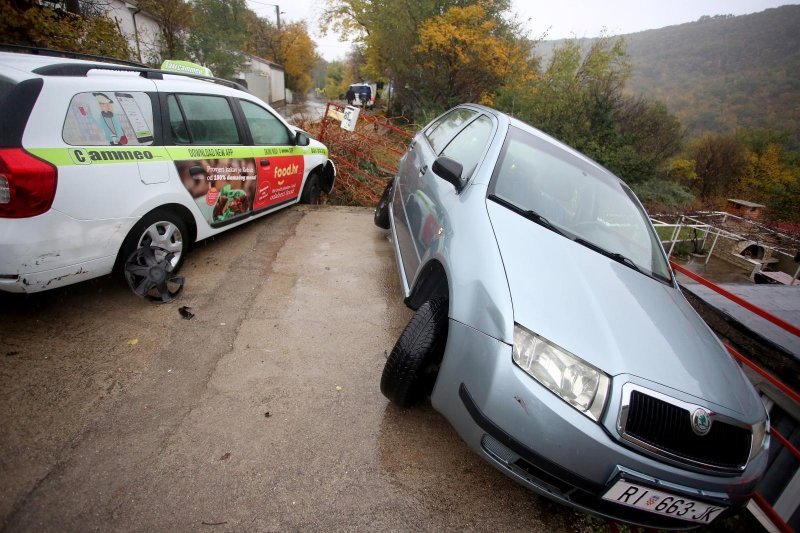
(760, 438)
(575, 381)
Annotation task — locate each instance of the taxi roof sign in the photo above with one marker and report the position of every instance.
(186, 67)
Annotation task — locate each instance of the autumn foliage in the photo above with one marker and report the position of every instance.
(30, 24)
(754, 165)
(290, 46)
(464, 56)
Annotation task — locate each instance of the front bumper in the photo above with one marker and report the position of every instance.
(535, 438)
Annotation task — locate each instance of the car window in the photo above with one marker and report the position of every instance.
(202, 119)
(176, 122)
(364, 92)
(469, 145)
(440, 132)
(109, 118)
(5, 87)
(264, 126)
(578, 197)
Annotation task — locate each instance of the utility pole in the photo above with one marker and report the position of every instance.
(278, 23)
(277, 12)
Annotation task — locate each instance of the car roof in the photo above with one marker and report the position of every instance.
(524, 126)
(23, 65)
(29, 62)
(27, 65)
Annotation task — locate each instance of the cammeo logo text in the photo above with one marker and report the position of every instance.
(85, 157)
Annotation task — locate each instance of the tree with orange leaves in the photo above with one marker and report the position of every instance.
(466, 56)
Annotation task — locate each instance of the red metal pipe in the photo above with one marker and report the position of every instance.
(368, 118)
(393, 128)
(794, 330)
(323, 126)
(785, 442)
(363, 156)
(774, 517)
(378, 143)
(769, 377)
(371, 179)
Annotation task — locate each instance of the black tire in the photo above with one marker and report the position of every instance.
(410, 372)
(311, 190)
(161, 228)
(382, 209)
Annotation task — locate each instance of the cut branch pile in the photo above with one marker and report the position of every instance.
(366, 159)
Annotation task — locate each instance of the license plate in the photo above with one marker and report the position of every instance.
(627, 493)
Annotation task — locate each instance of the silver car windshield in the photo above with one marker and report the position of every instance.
(578, 200)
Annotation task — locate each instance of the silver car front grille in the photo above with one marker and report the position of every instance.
(682, 432)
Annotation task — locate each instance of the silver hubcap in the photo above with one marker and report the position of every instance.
(164, 235)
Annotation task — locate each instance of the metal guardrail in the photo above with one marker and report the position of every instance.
(703, 224)
(365, 157)
(736, 299)
(769, 512)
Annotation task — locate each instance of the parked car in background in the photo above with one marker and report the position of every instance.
(98, 160)
(551, 333)
(364, 94)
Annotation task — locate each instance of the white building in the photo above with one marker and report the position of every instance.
(264, 79)
(138, 26)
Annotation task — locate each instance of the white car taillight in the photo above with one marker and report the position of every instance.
(27, 184)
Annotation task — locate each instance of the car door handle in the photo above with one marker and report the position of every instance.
(264, 162)
(423, 170)
(412, 145)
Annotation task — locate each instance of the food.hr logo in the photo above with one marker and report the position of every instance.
(286, 171)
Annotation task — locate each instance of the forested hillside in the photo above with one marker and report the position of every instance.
(722, 73)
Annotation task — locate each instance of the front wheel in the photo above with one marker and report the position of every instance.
(161, 229)
(312, 190)
(382, 209)
(410, 372)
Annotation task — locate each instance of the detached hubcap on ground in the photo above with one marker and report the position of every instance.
(149, 272)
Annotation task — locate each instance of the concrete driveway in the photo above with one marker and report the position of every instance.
(261, 413)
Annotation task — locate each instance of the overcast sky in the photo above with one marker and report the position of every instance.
(557, 18)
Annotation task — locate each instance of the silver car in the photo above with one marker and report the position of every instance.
(551, 333)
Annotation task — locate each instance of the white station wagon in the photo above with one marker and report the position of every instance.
(100, 161)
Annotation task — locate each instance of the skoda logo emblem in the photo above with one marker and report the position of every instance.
(701, 421)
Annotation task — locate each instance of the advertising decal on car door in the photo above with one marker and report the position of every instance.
(221, 180)
(228, 184)
(279, 176)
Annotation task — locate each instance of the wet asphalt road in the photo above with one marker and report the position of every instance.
(262, 413)
(312, 110)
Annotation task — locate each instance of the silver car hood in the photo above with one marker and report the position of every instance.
(614, 317)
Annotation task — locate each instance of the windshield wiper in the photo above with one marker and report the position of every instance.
(530, 214)
(618, 257)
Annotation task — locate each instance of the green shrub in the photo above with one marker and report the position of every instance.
(657, 194)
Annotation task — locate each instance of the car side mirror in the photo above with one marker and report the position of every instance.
(450, 171)
(301, 138)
